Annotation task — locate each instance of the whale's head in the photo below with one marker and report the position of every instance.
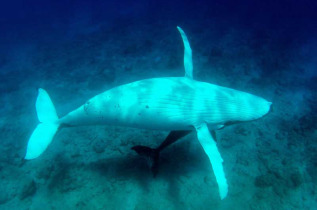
(251, 107)
(231, 105)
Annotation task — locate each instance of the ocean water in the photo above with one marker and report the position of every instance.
(78, 49)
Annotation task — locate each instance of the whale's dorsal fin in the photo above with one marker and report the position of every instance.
(210, 147)
(188, 61)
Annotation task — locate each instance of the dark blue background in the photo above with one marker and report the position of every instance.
(297, 17)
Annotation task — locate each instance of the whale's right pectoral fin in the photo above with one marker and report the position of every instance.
(210, 147)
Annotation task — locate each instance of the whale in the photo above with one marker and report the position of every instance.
(168, 103)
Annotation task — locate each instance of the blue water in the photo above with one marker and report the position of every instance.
(77, 49)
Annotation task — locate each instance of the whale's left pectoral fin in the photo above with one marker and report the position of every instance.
(210, 148)
(188, 61)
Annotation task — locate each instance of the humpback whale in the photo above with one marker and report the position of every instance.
(178, 104)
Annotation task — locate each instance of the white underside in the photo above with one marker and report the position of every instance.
(168, 104)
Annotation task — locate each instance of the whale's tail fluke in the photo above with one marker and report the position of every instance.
(152, 155)
(46, 129)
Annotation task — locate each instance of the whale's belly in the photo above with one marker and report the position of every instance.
(159, 103)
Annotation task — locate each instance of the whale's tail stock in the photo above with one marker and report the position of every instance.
(47, 127)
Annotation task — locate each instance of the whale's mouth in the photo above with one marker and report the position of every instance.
(271, 109)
